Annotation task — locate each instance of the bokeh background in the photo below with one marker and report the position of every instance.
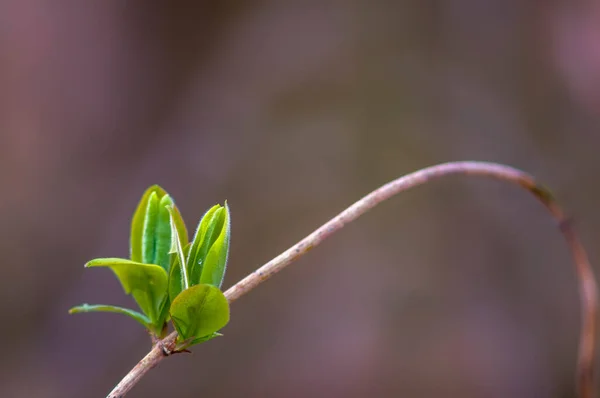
(291, 111)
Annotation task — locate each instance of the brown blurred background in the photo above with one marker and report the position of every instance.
(291, 111)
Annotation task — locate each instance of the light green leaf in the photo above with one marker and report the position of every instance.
(141, 318)
(147, 283)
(177, 248)
(199, 311)
(208, 231)
(151, 228)
(138, 222)
(215, 263)
(203, 339)
(179, 224)
(176, 282)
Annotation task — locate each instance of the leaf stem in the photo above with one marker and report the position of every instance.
(588, 290)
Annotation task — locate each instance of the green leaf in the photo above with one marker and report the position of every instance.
(138, 222)
(147, 283)
(162, 234)
(176, 282)
(199, 311)
(141, 318)
(177, 248)
(203, 339)
(175, 215)
(149, 230)
(208, 231)
(158, 327)
(215, 264)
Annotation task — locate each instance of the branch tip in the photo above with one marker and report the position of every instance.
(587, 283)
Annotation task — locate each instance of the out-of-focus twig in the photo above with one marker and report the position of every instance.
(588, 290)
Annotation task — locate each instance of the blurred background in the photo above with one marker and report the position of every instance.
(291, 111)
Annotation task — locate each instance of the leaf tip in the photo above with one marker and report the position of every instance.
(78, 309)
(155, 188)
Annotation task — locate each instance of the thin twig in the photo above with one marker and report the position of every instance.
(587, 284)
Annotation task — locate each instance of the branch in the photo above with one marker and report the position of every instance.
(588, 290)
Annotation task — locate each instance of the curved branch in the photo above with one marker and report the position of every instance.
(588, 290)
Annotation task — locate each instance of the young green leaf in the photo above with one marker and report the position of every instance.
(151, 228)
(176, 282)
(199, 311)
(208, 231)
(139, 221)
(215, 263)
(203, 339)
(141, 318)
(182, 232)
(162, 234)
(147, 283)
(149, 231)
(177, 248)
(159, 326)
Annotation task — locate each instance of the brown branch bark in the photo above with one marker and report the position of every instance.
(588, 290)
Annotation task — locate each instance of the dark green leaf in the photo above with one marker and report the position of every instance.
(147, 283)
(159, 326)
(162, 234)
(199, 311)
(215, 263)
(141, 318)
(176, 282)
(149, 231)
(138, 222)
